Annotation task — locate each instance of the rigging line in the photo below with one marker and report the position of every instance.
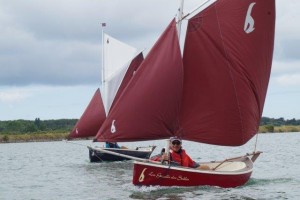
(67, 141)
(185, 16)
(94, 151)
(255, 142)
(95, 154)
(179, 17)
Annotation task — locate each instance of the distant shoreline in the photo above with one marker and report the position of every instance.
(50, 136)
(15, 131)
(279, 129)
(32, 137)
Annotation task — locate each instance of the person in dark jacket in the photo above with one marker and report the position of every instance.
(112, 145)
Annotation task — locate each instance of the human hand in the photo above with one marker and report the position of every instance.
(204, 167)
(165, 156)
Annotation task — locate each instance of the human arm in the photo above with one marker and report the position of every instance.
(117, 146)
(204, 167)
(193, 164)
(196, 165)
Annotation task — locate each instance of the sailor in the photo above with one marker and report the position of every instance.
(112, 145)
(178, 156)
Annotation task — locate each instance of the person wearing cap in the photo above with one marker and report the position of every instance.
(179, 157)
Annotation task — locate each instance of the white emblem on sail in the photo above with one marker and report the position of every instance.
(249, 22)
(142, 176)
(76, 131)
(113, 127)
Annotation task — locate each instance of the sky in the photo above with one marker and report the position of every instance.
(50, 52)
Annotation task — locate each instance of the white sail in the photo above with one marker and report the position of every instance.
(117, 56)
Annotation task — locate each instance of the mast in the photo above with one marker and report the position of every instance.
(102, 74)
(179, 17)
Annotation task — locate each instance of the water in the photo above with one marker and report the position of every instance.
(58, 170)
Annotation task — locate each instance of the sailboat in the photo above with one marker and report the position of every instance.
(118, 75)
(214, 93)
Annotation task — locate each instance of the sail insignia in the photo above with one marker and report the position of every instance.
(249, 22)
(113, 127)
(189, 104)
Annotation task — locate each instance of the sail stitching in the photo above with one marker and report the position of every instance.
(230, 71)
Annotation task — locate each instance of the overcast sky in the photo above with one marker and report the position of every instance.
(50, 52)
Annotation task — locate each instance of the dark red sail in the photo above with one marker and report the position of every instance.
(148, 107)
(91, 120)
(227, 61)
(133, 66)
(218, 96)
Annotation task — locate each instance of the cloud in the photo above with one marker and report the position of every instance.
(289, 80)
(287, 33)
(285, 67)
(59, 42)
(27, 57)
(286, 74)
(287, 19)
(45, 102)
(13, 96)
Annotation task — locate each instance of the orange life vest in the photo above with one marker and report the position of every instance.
(182, 159)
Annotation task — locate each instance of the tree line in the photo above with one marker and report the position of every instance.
(279, 122)
(36, 126)
(66, 125)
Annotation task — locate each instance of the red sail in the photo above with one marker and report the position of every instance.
(149, 106)
(91, 120)
(134, 65)
(227, 61)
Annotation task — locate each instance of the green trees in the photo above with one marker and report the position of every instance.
(36, 126)
(65, 125)
(37, 130)
(279, 121)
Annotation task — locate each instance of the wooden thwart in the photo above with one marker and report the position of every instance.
(253, 158)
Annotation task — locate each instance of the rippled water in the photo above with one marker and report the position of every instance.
(59, 170)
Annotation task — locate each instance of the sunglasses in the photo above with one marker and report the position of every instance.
(176, 142)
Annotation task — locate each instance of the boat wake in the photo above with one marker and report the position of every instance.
(255, 181)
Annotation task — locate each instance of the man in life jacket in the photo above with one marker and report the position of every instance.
(179, 157)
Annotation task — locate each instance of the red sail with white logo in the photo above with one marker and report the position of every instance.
(218, 96)
(227, 62)
(148, 107)
(94, 115)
